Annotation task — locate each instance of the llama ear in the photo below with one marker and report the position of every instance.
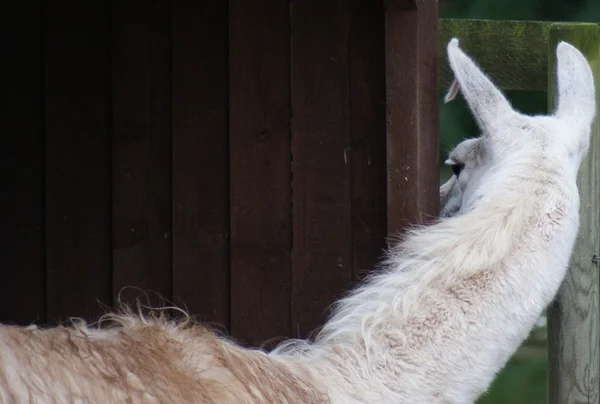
(575, 87)
(488, 104)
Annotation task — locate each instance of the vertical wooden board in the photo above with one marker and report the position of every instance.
(141, 151)
(321, 164)
(259, 54)
(200, 159)
(77, 159)
(22, 290)
(412, 113)
(573, 356)
(367, 129)
(428, 112)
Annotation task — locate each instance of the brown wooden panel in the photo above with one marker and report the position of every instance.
(412, 114)
(200, 158)
(259, 49)
(22, 290)
(77, 158)
(141, 150)
(322, 258)
(367, 129)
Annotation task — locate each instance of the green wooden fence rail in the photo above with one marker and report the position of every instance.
(520, 55)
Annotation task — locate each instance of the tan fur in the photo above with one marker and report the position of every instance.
(143, 361)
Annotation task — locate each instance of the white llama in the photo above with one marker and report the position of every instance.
(449, 307)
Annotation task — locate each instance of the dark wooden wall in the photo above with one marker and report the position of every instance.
(234, 157)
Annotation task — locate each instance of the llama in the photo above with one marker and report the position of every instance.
(449, 306)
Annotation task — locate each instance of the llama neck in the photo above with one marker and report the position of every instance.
(504, 215)
(413, 315)
(425, 263)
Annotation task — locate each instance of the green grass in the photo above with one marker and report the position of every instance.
(521, 382)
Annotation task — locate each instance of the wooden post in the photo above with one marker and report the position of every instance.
(412, 112)
(573, 317)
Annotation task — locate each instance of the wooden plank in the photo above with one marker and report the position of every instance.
(22, 290)
(77, 159)
(367, 131)
(141, 151)
(322, 257)
(499, 46)
(573, 317)
(412, 115)
(261, 226)
(200, 159)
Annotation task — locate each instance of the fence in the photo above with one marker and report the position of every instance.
(520, 56)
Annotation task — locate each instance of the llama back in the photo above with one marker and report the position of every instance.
(143, 361)
(61, 365)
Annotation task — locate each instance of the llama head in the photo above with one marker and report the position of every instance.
(564, 135)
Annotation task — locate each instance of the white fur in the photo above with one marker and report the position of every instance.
(456, 299)
(449, 306)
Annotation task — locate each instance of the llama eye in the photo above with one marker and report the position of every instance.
(457, 168)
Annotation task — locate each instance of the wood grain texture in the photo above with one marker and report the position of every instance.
(573, 317)
(412, 116)
(260, 167)
(23, 288)
(201, 159)
(141, 150)
(77, 107)
(512, 53)
(322, 256)
(367, 132)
